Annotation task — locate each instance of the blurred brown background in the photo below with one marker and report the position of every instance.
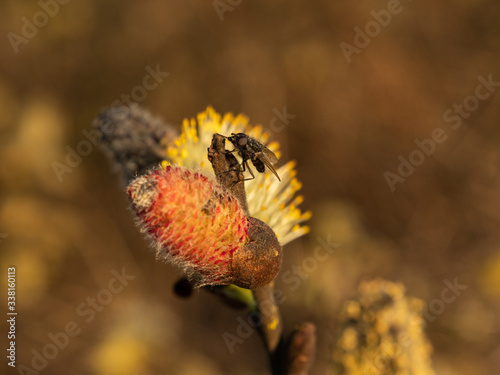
(352, 123)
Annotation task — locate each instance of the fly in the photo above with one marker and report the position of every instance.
(251, 149)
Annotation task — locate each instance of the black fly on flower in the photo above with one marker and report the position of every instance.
(251, 149)
(269, 200)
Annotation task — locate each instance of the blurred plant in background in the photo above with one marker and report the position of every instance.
(382, 332)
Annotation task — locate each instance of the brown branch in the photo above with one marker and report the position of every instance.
(301, 349)
(229, 174)
(227, 170)
(295, 356)
(271, 326)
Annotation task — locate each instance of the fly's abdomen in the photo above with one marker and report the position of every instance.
(258, 164)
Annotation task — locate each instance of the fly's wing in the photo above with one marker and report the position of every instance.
(268, 158)
(270, 155)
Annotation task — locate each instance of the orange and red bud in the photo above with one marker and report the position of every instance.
(197, 225)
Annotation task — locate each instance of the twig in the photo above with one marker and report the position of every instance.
(301, 349)
(296, 354)
(271, 326)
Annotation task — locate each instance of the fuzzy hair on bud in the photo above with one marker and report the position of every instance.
(193, 222)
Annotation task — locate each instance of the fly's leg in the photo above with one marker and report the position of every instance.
(249, 170)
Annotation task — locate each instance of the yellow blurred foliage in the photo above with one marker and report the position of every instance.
(489, 276)
(120, 354)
